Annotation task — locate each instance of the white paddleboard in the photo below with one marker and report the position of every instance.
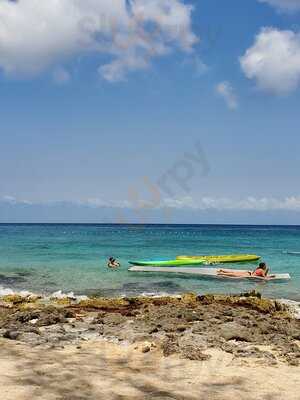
(206, 272)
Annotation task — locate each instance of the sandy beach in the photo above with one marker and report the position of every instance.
(99, 370)
(186, 347)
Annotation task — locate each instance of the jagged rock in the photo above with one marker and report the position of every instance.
(181, 328)
(200, 327)
(265, 328)
(295, 333)
(99, 329)
(17, 299)
(252, 293)
(114, 319)
(228, 313)
(139, 337)
(146, 349)
(206, 299)
(27, 316)
(189, 298)
(294, 361)
(5, 304)
(186, 325)
(12, 335)
(153, 329)
(170, 346)
(31, 338)
(232, 330)
(43, 317)
(169, 327)
(64, 301)
(192, 316)
(14, 298)
(194, 353)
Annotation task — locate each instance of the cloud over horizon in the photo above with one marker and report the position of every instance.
(39, 35)
(273, 61)
(291, 203)
(283, 5)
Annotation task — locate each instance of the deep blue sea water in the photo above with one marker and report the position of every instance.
(46, 258)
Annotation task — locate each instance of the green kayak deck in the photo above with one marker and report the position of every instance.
(168, 263)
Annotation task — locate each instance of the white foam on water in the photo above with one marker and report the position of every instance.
(294, 306)
(153, 294)
(162, 294)
(61, 295)
(56, 295)
(5, 291)
(8, 291)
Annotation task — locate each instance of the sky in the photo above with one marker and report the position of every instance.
(150, 111)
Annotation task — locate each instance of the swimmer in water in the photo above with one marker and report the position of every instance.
(113, 263)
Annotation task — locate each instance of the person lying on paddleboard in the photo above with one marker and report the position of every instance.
(261, 272)
(113, 263)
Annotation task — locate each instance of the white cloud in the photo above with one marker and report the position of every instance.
(99, 203)
(283, 5)
(9, 199)
(35, 34)
(224, 203)
(250, 203)
(14, 201)
(226, 91)
(274, 60)
(180, 203)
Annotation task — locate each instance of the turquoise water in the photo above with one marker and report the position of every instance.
(47, 258)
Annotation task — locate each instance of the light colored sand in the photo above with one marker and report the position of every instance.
(111, 372)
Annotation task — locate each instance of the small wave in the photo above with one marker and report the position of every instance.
(292, 253)
(8, 291)
(5, 291)
(294, 306)
(162, 294)
(61, 295)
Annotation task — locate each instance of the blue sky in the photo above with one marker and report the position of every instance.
(202, 94)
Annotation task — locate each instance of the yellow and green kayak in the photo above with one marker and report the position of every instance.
(230, 258)
(182, 261)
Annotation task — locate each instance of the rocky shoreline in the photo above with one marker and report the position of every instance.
(245, 326)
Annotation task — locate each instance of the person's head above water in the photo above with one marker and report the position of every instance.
(111, 259)
(262, 265)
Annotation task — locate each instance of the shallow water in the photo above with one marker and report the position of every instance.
(46, 258)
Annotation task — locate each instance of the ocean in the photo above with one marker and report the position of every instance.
(47, 258)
